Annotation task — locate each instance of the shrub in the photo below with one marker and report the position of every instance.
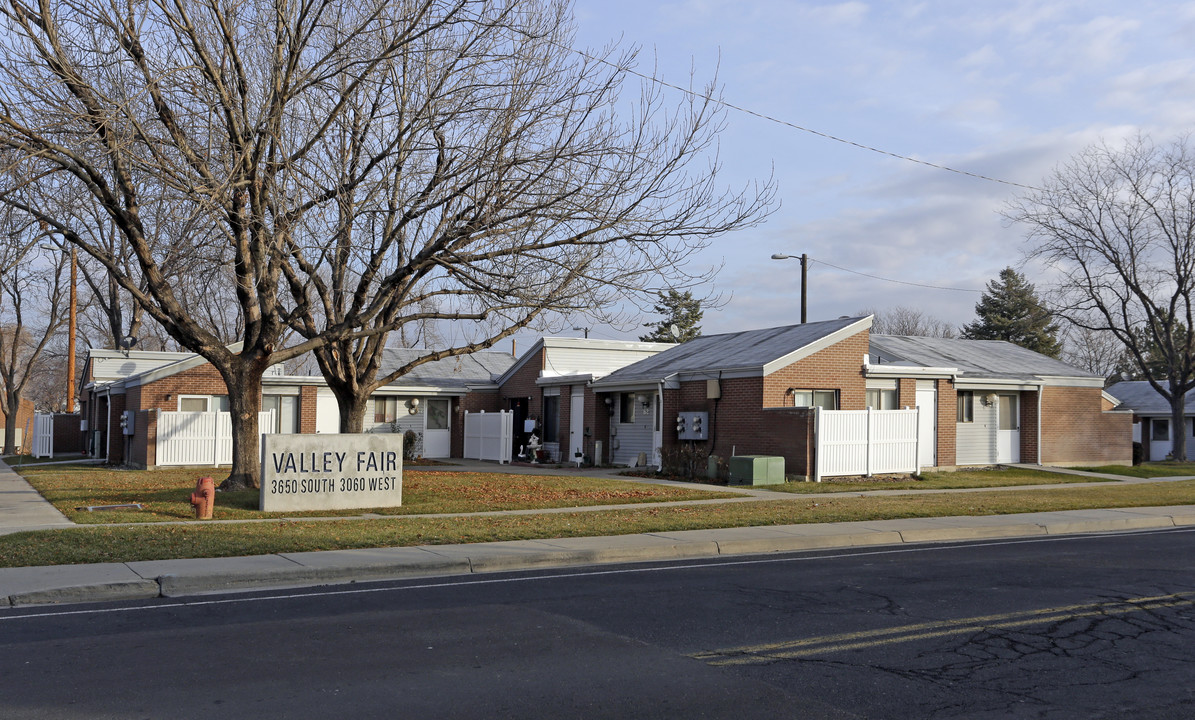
(685, 461)
(410, 440)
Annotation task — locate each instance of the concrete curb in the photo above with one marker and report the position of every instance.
(177, 578)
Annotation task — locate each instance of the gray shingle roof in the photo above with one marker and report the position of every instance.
(1140, 397)
(479, 368)
(749, 349)
(974, 358)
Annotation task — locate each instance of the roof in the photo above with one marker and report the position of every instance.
(479, 368)
(1140, 397)
(743, 354)
(974, 359)
(592, 357)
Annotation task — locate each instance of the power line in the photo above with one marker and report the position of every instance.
(794, 126)
(900, 282)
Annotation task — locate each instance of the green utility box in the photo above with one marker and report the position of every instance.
(756, 470)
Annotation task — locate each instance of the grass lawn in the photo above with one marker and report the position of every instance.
(153, 541)
(166, 494)
(1147, 470)
(1000, 477)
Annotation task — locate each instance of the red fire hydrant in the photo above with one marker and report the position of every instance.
(204, 498)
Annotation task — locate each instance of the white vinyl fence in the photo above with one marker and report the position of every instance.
(865, 442)
(43, 435)
(200, 438)
(489, 436)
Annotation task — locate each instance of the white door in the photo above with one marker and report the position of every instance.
(927, 424)
(327, 412)
(1008, 429)
(576, 426)
(437, 430)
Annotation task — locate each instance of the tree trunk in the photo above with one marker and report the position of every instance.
(244, 404)
(10, 427)
(352, 408)
(1178, 427)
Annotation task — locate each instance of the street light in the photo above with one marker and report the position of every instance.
(585, 329)
(804, 275)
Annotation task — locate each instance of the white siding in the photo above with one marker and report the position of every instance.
(635, 437)
(404, 421)
(975, 442)
(585, 361)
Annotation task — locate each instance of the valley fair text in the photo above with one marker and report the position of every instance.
(331, 472)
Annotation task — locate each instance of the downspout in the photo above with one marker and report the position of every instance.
(660, 415)
(108, 432)
(1041, 390)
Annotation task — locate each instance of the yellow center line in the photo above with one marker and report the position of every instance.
(792, 649)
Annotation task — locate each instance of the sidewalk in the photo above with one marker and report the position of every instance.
(19, 503)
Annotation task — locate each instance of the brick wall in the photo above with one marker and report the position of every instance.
(67, 436)
(1076, 431)
(740, 425)
(522, 385)
(1028, 424)
(115, 434)
(307, 408)
(947, 417)
(838, 367)
(201, 380)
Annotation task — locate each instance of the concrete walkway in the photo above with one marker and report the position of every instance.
(22, 508)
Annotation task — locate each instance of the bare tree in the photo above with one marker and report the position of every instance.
(902, 320)
(31, 311)
(1095, 351)
(1117, 227)
(351, 164)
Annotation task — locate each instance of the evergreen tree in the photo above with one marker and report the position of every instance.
(680, 309)
(1010, 310)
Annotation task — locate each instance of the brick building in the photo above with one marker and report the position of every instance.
(123, 396)
(603, 401)
(982, 402)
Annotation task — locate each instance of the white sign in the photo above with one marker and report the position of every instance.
(330, 472)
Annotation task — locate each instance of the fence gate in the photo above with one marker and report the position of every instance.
(200, 438)
(489, 436)
(43, 435)
(865, 442)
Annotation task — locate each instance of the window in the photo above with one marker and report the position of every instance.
(385, 409)
(1009, 417)
(1161, 429)
(966, 406)
(626, 408)
(437, 413)
(551, 418)
(824, 399)
(203, 403)
(286, 412)
(881, 398)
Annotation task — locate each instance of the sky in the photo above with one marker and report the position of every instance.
(1005, 89)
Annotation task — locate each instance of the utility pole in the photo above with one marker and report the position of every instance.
(70, 341)
(804, 278)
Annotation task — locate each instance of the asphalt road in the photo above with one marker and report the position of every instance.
(1074, 627)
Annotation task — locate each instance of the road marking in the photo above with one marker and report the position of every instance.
(804, 556)
(842, 642)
